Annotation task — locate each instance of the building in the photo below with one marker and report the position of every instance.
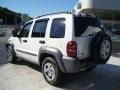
(107, 10)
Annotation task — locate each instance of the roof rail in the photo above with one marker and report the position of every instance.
(66, 12)
(86, 15)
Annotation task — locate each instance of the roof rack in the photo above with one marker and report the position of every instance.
(66, 12)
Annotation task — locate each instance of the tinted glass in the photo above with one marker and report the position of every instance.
(58, 28)
(25, 30)
(81, 24)
(39, 29)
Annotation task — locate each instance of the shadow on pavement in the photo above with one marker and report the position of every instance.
(104, 77)
(31, 65)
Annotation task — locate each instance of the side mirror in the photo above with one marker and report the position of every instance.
(18, 35)
(15, 33)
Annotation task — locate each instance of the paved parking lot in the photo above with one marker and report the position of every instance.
(26, 76)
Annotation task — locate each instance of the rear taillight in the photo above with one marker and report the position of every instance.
(72, 49)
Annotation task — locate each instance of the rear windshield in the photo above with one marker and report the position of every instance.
(81, 24)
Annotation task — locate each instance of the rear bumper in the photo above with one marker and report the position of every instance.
(73, 65)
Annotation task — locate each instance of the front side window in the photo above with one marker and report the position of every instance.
(25, 30)
(39, 28)
(58, 28)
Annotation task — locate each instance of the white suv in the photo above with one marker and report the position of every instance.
(61, 43)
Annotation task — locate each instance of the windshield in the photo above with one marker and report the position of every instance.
(81, 24)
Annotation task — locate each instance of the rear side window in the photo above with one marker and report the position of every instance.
(81, 24)
(58, 28)
(39, 28)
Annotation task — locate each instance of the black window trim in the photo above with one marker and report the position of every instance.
(51, 28)
(45, 19)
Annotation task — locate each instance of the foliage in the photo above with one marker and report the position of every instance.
(12, 18)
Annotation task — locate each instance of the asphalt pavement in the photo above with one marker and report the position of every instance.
(3, 53)
(26, 76)
(3, 40)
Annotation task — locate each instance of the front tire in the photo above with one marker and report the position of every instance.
(51, 71)
(11, 55)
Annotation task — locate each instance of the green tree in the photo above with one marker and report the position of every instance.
(12, 18)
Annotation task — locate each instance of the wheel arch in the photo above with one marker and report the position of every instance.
(12, 46)
(51, 52)
(9, 44)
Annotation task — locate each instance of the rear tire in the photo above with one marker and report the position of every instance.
(11, 55)
(51, 71)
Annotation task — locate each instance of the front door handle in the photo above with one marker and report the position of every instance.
(25, 41)
(42, 42)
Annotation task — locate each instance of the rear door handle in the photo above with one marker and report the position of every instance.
(25, 41)
(42, 42)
